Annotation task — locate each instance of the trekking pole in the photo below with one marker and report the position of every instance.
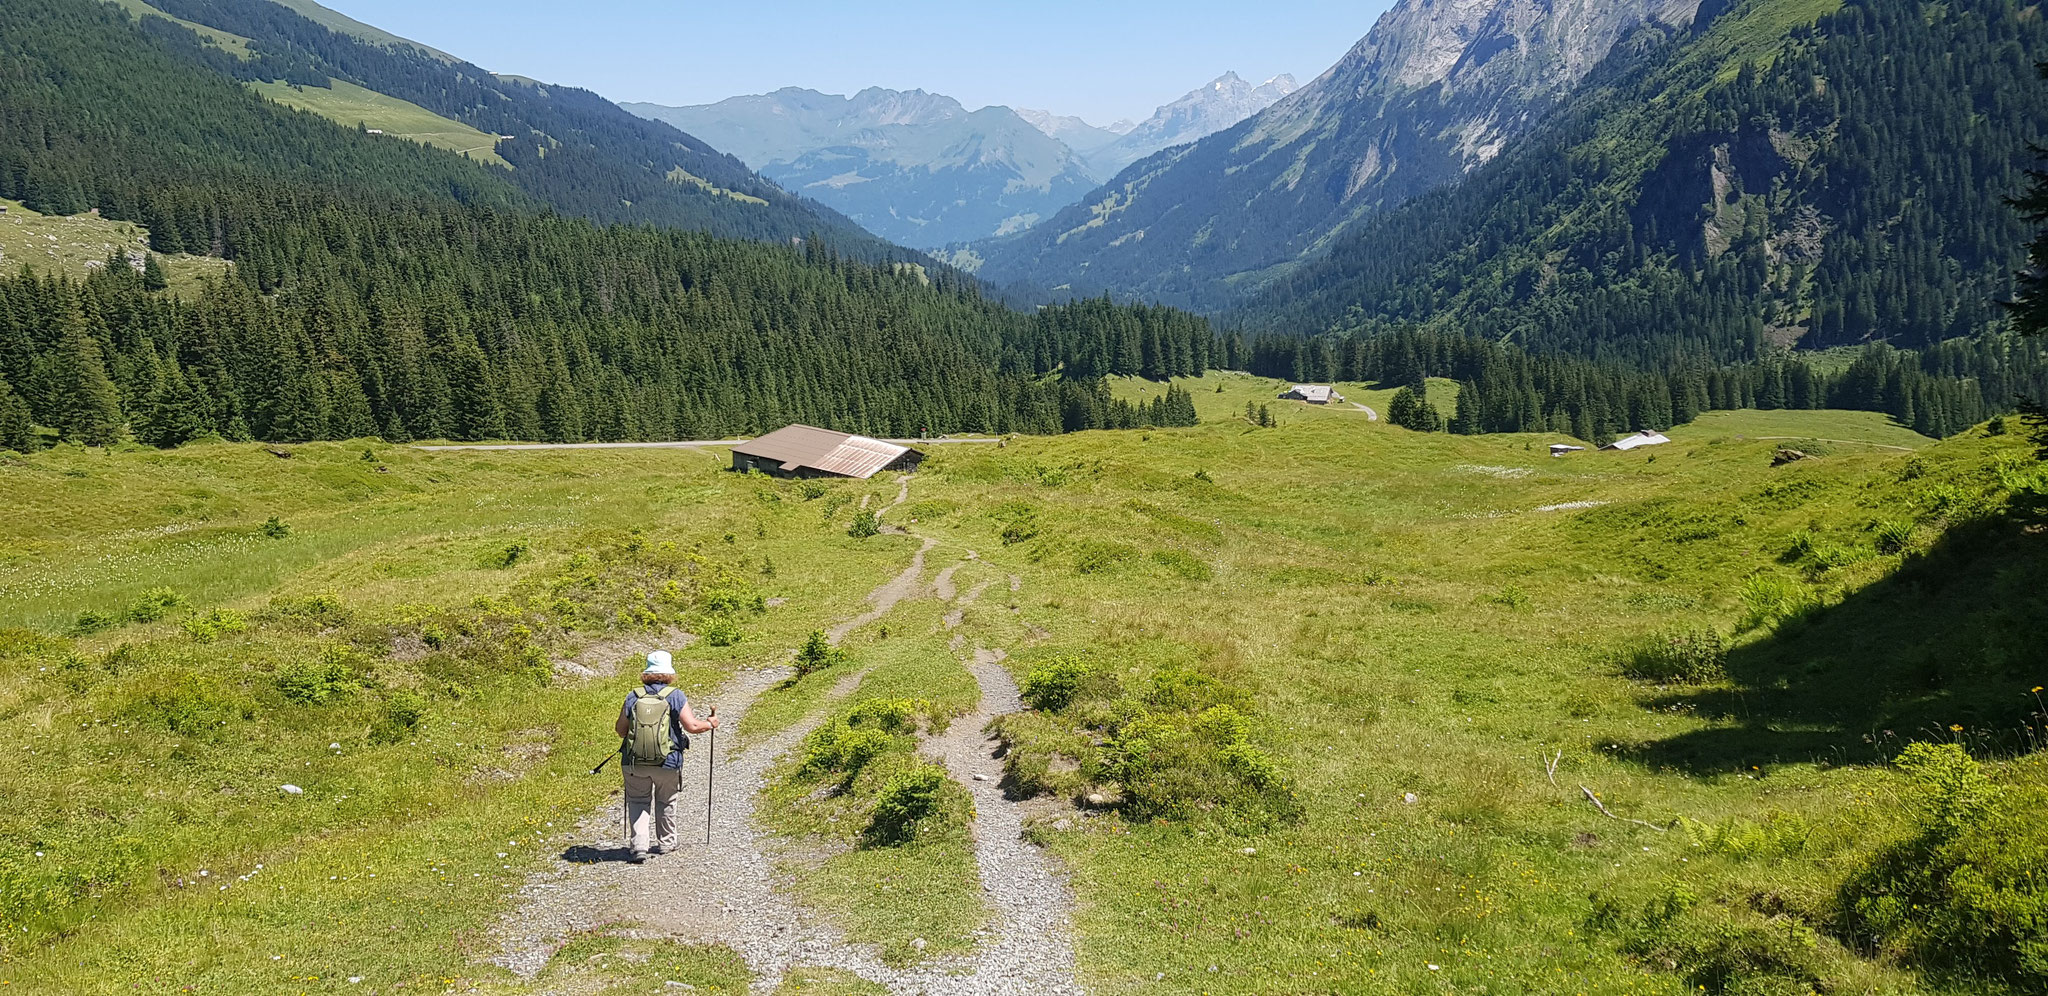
(601, 764)
(710, 774)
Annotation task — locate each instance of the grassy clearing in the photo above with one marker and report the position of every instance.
(340, 23)
(1792, 427)
(75, 246)
(1418, 626)
(349, 105)
(232, 43)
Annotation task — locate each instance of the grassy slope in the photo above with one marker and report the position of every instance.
(70, 246)
(349, 105)
(221, 39)
(336, 21)
(1488, 641)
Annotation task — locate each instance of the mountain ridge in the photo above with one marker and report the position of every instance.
(921, 169)
(1436, 87)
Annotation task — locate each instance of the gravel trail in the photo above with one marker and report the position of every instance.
(726, 892)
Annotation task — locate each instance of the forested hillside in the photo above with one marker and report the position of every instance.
(1753, 187)
(385, 288)
(570, 148)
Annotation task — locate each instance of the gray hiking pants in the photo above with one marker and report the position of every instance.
(651, 795)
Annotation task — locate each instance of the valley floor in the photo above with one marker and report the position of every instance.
(1426, 636)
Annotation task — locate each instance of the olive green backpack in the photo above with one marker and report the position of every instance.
(649, 740)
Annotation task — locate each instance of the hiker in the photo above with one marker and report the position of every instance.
(652, 727)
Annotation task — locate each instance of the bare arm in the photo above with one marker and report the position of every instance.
(624, 725)
(691, 724)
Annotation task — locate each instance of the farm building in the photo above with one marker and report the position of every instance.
(1560, 449)
(808, 451)
(1638, 441)
(1315, 394)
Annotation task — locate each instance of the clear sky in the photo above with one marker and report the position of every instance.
(1102, 60)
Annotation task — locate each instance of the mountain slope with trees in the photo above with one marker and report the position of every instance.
(386, 288)
(1432, 91)
(1834, 184)
(570, 148)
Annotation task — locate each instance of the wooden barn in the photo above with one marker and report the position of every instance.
(808, 451)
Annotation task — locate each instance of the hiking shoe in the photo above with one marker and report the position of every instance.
(638, 858)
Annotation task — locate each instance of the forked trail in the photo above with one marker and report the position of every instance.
(725, 892)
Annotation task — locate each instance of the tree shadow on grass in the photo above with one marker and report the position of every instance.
(1954, 637)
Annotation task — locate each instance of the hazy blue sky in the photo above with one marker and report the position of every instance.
(1102, 60)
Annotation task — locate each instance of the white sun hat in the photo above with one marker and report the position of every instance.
(659, 662)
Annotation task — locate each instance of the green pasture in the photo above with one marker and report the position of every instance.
(1433, 636)
(350, 105)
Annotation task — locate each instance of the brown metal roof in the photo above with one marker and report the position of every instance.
(804, 446)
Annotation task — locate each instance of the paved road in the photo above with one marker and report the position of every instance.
(1370, 415)
(675, 445)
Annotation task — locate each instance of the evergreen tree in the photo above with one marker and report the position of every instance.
(2030, 307)
(87, 408)
(1411, 409)
(153, 278)
(17, 432)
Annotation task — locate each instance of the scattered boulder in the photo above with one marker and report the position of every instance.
(1786, 456)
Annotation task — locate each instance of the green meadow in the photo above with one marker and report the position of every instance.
(74, 246)
(1427, 713)
(349, 105)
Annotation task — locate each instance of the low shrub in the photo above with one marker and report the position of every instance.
(721, 631)
(274, 528)
(506, 556)
(1964, 891)
(1051, 684)
(1100, 556)
(1172, 769)
(90, 622)
(1764, 947)
(817, 654)
(1692, 657)
(838, 749)
(1183, 564)
(865, 524)
(214, 624)
(323, 610)
(316, 681)
(190, 704)
(398, 717)
(904, 804)
(155, 604)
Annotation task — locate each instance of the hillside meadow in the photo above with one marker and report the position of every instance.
(1383, 677)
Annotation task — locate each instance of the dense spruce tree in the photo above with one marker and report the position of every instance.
(1411, 409)
(2029, 307)
(17, 430)
(85, 406)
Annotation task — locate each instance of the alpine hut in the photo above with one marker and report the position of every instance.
(1638, 441)
(808, 451)
(1315, 394)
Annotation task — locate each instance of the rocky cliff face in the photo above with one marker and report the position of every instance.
(1436, 87)
(1222, 102)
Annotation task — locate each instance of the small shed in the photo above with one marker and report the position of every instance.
(1560, 449)
(1315, 394)
(373, 131)
(808, 451)
(1638, 441)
